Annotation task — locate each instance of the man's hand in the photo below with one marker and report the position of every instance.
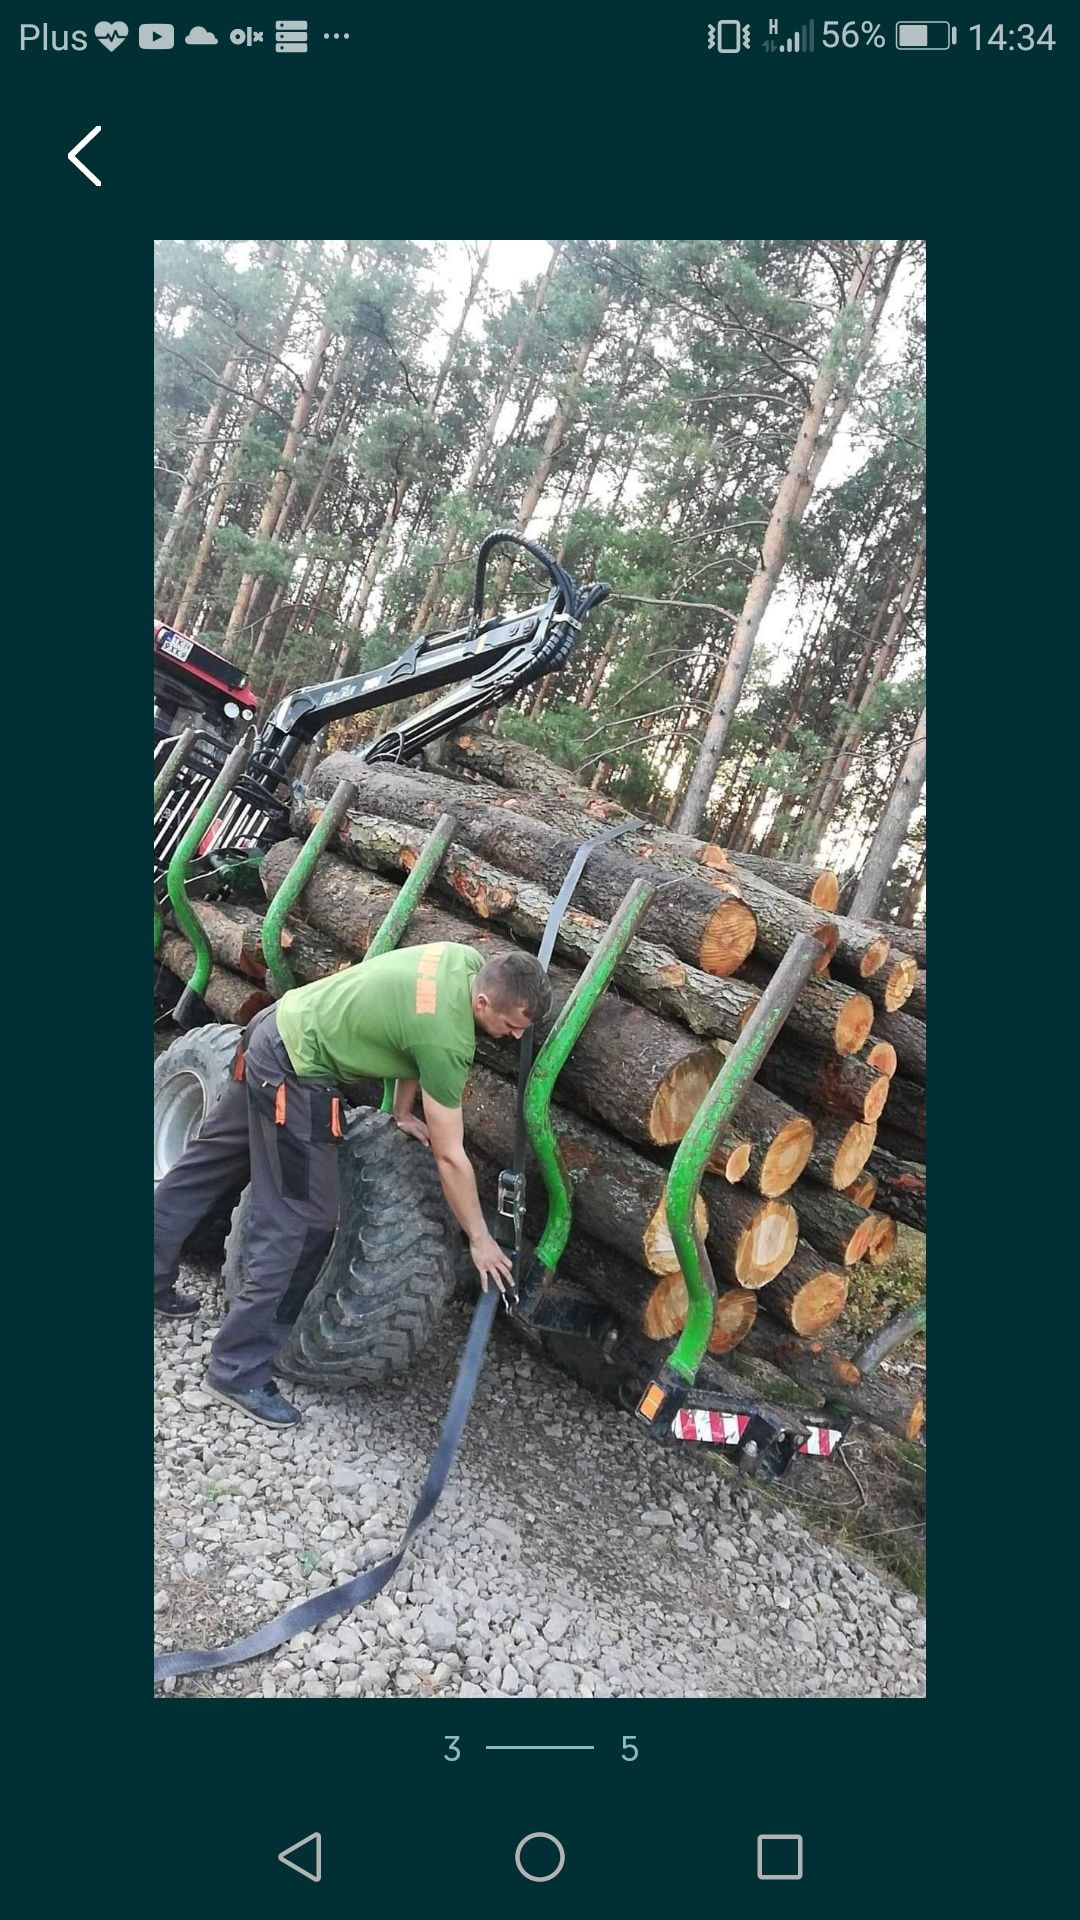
(491, 1262)
(412, 1125)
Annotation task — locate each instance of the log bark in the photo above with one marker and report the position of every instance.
(825, 1014)
(836, 1086)
(901, 1188)
(749, 1240)
(235, 936)
(705, 920)
(818, 886)
(916, 1005)
(831, 1223)
(821, 1365)
(640, 1073)
(840, 1150)
(229, 996)
(808, 1295)
(907, 1036)
(512, 764)
(907, 1110)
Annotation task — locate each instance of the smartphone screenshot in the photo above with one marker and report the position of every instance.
(534, 1051)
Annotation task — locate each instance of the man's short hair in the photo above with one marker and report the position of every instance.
(513, 980)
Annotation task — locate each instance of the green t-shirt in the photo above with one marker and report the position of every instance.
(405, 1016)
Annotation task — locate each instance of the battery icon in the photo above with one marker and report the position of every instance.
(924, 36)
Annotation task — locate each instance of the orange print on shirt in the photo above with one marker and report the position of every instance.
(428, 967)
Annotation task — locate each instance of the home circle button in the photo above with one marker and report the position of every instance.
(540, 1856)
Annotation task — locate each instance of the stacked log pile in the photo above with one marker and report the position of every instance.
(824, 1153)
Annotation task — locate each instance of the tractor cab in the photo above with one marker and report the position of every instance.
(195, 687)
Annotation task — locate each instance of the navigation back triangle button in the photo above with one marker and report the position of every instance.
(313, 1869)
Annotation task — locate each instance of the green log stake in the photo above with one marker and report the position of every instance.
(172, 765)
(552, 1057)
(688, 1166)
(296, 880)
(176, 878)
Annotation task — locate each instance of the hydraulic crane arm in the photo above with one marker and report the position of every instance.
(493, 658)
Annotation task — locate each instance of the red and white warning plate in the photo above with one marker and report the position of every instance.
(727, 1429)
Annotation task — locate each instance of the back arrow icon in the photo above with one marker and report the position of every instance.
(75, 151)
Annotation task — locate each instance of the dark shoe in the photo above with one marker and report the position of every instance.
(177, 1306)
(265, 1403)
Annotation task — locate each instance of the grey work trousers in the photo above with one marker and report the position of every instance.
(280, 1128)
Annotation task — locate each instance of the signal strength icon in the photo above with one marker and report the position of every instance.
(801, 41)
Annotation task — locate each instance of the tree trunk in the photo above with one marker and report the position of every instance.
(840, 1151)
(892, 827)
(823, 1367)
(907, 1109)
(229, 996)
(831, 1223)
(707, 926)
(813, 441)
(901, 1188)
(749, 1240)
(808, 1295)
(844, 1087)
(199, 463)
(818, 886)
(780, 1141)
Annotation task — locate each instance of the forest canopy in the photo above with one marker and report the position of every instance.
(729, 432)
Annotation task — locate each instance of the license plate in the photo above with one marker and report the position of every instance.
(177, 644)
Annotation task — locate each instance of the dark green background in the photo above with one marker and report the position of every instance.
(567, 121)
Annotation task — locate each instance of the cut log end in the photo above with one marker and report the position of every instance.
(657, 1244)
(786, 1156)
(882, 1057)
(732, 1162)
(917, 1421)
(853, 1023)
(818, 1302)
(728, 938)
(733, 1317)
(873, 957)
(767, 1244)
(852, 1153)
(825, 892)
(882, 1241)
(679, 1096)
(876, 1097)
(900, 984)
(664, 1313)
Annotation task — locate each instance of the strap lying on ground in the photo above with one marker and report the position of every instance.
(309, 1614)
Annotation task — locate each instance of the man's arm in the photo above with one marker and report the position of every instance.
(446, 1129)
(405, 1092)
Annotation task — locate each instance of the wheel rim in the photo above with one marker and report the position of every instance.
(178, 1111)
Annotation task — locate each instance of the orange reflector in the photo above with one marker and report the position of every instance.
(651, 1401)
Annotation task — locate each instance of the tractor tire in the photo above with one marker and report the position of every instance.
(393, 1267)
(189, 1078)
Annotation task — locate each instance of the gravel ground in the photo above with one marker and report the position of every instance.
(559, 1563)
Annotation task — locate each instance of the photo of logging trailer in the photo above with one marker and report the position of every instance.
(725, 1115)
